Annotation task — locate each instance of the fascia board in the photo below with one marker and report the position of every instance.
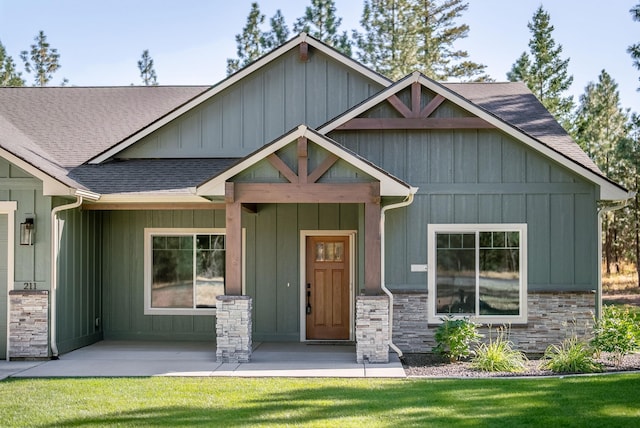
(50, 185)
(149, 198)
(231, 80)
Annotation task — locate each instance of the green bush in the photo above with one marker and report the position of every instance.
(617, 331)
(573, 356)
(499, 356)
(455, 337)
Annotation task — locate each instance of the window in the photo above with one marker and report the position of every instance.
(478, 271)
(184, 270)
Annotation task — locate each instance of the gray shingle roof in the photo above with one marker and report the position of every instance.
(70, 125)
(149, 175)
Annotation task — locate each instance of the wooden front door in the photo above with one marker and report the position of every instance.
(327, 288)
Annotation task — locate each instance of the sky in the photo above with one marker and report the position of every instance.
(101, 41)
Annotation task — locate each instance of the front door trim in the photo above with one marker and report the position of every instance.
(303, 272)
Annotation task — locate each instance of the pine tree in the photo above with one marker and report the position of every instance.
(279, 31)
(147, 72)
(543, 70)
(436, 32)
(42, 60)
(634, 49)
(320, 21)
(401, 36)
(8, 74)
(388, 44)
(250, 43)
(601, 126)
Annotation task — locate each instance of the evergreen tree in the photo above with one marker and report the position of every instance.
(42, 60)
(543, 70)
(279, 31)
(436, 32)
(388, 43)
(8, 74)
(320, 21)
(250, 43)
(147, 72)
(601, 126)
(401, 36)
(634, 49)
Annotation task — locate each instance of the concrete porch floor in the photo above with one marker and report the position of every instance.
(141, 359)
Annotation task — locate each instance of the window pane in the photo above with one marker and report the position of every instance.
(443, 240)
(499, 239)
(172, 282)
(456, 278)
(499, 281)
(210, 270)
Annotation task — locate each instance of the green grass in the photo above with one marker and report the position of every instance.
(610, 400)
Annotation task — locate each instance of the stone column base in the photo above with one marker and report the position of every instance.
(29, 324)
(372, 329)
(233, 329)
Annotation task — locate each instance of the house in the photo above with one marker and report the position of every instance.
(304, 198)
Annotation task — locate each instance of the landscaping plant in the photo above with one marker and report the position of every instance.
(573, 356)
(617, 331)
(498, 355)
(455, 337)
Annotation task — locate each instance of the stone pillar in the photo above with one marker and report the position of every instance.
(28, 324)
(233, 329)
(372, 329)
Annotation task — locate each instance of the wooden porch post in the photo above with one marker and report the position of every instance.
(372, 266)
(233, 264)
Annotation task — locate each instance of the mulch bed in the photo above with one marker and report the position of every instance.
(433, 365)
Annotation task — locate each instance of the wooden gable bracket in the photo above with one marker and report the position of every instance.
(416, 118)
(304, 52)
(302, 177)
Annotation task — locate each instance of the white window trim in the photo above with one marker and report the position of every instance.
(432, 229)
(148, 233)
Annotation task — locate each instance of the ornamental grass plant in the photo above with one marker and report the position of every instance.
(499, 355)
(572, 356)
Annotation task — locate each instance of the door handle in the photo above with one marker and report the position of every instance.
(308, 298)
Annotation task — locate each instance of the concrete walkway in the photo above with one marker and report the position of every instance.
(124, 358)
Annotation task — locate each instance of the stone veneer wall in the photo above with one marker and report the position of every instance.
(28, 324)
(552, 317)
(372, 329)
(233, 329)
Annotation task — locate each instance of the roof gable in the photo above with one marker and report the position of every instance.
(520, 115)
(301, 41)
(389, 185)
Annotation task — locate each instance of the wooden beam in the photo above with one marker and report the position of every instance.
(307, 193)
(322, 168)
(432, 106)
(372, 255)
(304, 52)
(303, 164)
(151, 206)
(282, 167)
(416, 95)
(416, 123)
(400, 106)
(250, 208)
(233, 249)
(229, 192)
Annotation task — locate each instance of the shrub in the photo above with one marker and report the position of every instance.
(498, 356)
(617, 332)
(455, 337)
(573, 356)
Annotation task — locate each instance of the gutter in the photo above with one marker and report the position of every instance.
(408, 201)
(601, 212)
(55, 249)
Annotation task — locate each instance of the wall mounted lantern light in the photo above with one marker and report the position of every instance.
(28, 230)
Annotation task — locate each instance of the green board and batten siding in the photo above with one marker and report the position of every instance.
(484, 176)
(3, 285)
(260, 108)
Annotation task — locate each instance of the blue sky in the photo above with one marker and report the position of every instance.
(100, 42)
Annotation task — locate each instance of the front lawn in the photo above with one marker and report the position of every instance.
(610, 400)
